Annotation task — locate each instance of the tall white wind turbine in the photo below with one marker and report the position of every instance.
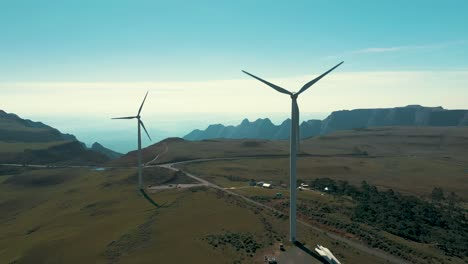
(140, 124)
(294, 143)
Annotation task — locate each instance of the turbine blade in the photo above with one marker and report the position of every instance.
(276, 87)
(142, 103)
(144, 128)
(125, 117)
(309, 84)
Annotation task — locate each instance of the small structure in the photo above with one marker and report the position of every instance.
(260, 183)
(304, 185)
(267, 185)
(326, 189)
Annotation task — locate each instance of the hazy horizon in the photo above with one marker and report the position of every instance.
(91, 59)
(120, 135)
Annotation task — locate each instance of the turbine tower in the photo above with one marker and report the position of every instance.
(294, 144)
(140, 124)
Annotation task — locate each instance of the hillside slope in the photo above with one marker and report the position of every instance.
(15, 129)
(27, 142)
(107, 152)
(177, 149)
(440, 142)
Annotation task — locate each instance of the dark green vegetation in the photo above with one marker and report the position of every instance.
(340, 214)
(243, 242)
(444, 225)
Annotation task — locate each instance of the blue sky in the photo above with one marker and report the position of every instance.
(114, 40)
(91, 60)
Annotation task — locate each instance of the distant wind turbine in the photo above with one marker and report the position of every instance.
(294, 144)
(140, 124)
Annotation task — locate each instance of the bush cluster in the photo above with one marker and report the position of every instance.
(243, 242)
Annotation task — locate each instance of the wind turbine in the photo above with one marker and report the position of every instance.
(294, 144)
(140, 124)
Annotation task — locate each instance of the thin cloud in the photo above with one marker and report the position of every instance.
(372, 50)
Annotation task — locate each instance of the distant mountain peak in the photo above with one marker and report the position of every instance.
(245, 122)
(410, 115)
(263, 121)
(107, 152)
(15, 129)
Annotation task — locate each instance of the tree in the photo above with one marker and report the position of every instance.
(453, 199)
(437, 194)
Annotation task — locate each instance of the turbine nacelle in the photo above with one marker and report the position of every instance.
(294, 142)
(140, 125)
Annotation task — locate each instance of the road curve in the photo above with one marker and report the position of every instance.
(364, 248)
(352, 243)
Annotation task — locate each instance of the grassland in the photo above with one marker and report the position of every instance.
(439, 143)
(408, 159)
(176, 149)
(15, 147)
(85, 216)
(414, 175)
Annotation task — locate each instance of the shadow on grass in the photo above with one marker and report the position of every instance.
(309, 252)
(149, 198)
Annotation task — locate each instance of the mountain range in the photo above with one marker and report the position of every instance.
(15, 129)
(411, 115)
(26, 141)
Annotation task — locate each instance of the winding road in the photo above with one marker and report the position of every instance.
(359, 246)
(171, 166)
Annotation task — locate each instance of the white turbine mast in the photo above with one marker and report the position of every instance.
(294, 144)
(140, 124)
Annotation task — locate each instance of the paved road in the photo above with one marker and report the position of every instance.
(174, 186)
